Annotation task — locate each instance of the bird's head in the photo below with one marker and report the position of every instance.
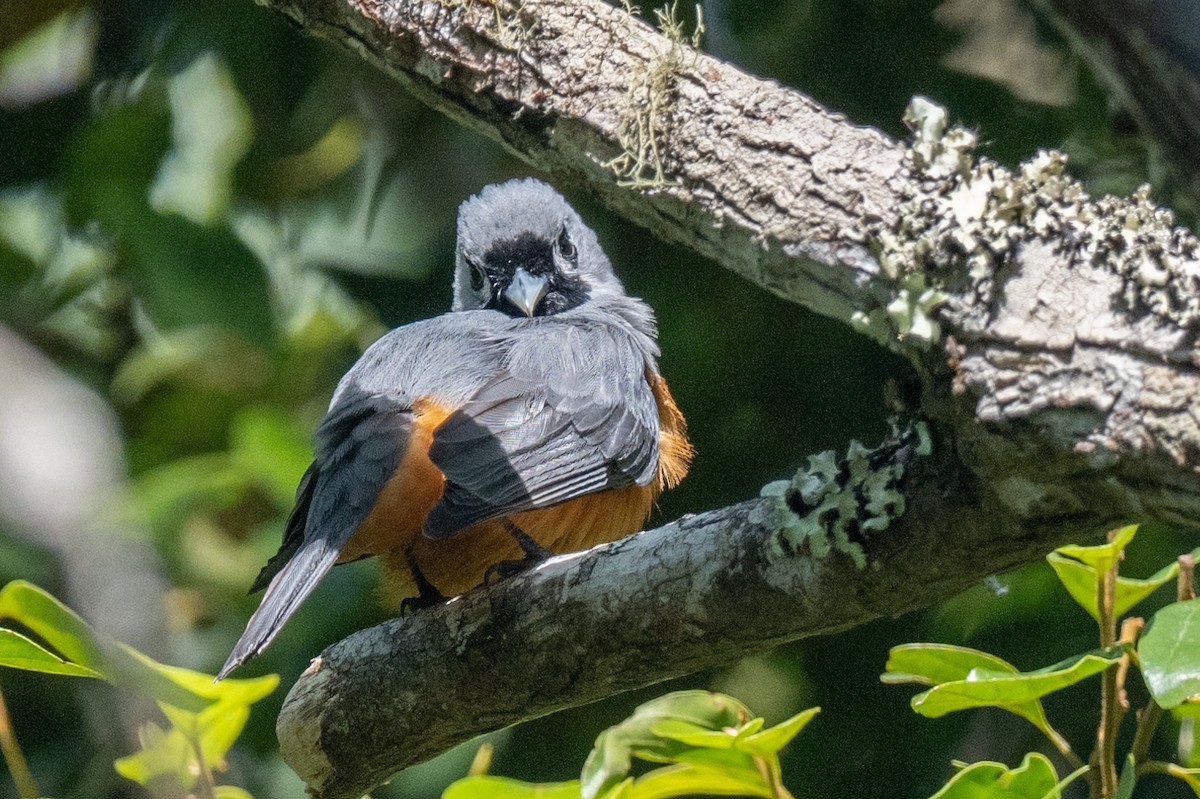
(523, 251)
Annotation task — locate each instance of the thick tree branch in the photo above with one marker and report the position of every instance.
(760, 174)
(697, 593)
(1057, 360)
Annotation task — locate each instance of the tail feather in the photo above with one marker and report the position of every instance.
(287, 590)
(293, 536)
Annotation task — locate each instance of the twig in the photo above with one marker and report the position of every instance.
(26, 787)
(1185, 586)
(1104, 758)
(1064, 747)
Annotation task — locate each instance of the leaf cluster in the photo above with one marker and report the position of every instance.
(704, 743)
(1164, 652)
(182, 751)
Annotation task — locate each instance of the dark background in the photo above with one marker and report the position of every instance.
(211, 290)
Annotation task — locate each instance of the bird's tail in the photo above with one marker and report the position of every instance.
(287, 590)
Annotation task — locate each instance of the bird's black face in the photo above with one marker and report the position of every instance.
(529, 276)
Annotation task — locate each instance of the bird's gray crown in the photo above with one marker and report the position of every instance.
(526, 224)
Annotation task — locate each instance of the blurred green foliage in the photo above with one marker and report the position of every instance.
(205, 216)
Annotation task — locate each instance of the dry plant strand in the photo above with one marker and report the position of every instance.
(649, 103)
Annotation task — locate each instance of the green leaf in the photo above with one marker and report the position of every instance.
(18, 652)
(1080, 580)
(163, 753)
(131, 668)
(691, 734)
(936, 664)
(1190, 776)
(612, 755)
(172, 754)
(242, 690)
(114, 662)
(692, 780)
(272, 444)
(230, 792)
(1103, 556)
(185, 274)
(116, 154)
(1004, 689)
(772, 740)
(1035, 778)
(1128, 779)
(489, 787)
(188, 275)
(930, 664)
(1169, 652)
(211, 128)
(214, 729)
(55, 623)
(709, 724)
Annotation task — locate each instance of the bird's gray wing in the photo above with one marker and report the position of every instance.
(358, 447)
(571, 414)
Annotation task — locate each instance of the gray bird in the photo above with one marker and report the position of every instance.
(530, 419)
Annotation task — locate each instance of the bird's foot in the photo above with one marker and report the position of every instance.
(508, 568)
(535, 553)
(427, 595)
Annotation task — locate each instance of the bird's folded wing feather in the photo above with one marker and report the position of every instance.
(570, 414)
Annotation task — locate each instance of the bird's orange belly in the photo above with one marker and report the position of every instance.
(392, 530)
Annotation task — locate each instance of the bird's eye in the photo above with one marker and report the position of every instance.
(478, 278)
(565, 247)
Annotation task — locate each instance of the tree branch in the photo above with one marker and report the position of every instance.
(1054, 337)
(759, 174)
(694, 594)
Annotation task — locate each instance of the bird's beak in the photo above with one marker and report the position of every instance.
(525, 291)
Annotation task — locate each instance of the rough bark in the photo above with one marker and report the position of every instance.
(695, 594)
(1057, 361)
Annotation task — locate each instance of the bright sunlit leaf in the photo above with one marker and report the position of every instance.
(1080, 580)
(1035, 778)
(18, 652)
(930, 664)
(1004, 689)
(612, 756)
(692, 780)
(163, 753)
(712, 743)
(54, 623)
(1189, 776)
(211, 131)
(771, 740)
(93, 655)
(1169, 650)
(1102, 556)
(489, 787)
(230, 792)
(935, 664)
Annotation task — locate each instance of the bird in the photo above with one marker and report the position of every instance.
(530, 419)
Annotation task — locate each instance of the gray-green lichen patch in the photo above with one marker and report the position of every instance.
(908, 318)
(1159, 261)
(963, 218)
(836, 504)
